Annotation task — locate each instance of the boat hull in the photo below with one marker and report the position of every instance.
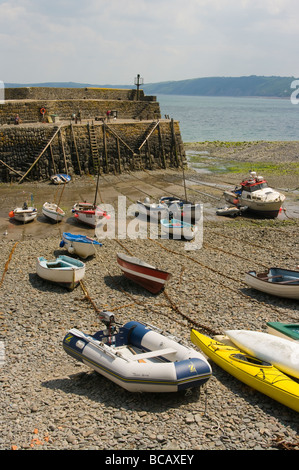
(80, 245)
(25, 215)
(265, 378)
(166, 366)
(156, 211)
(53, 212)
(288, 331)
(64, 271)
(276, 281)
(85, 213)
(280, 352)
(192, 212)
(60, 178)
(143, 274)
(268, 209)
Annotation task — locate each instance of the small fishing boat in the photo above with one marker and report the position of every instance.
(139, 358)
(64, 270)
(275, 281)
(142, 273)
(186, 208)
(156, 210)
(280, 352)
(230, 211)
(288, 331)
(53, 212)
(258, 374)
(88, 213)
(259, 198)
(60, 178)
(80, 245)
(178, 229)
(24, 214)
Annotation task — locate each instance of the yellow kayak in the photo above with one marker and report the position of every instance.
(259, 375)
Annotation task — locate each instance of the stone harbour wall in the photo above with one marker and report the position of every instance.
(67, 130)
(30, 111)
(89, 147)
(53, 93)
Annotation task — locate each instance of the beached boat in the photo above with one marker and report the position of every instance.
(53, 212)
(24, 214)
(258, 374)
(255, 193)
(178, 229)
(288, 331)
(64, 270)
(88, 213)
(60, 178)
(280, 352)
(155, 210)
(192, 212)
(142, 273)
(275, 281)
(80, 245)
(139, 358)
(230, 211)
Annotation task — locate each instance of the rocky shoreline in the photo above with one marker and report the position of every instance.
(51, 402)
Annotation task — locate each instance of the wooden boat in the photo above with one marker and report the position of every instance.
(255, 193)
(139, 358)
(288, 331)
(80, 245)
(88, 213)
(191, 211)
(60, 178)
(53, 212)
(64, 270)
(280, 352)
(142, 273)
(275, 281)
(260, 375)
(178, 228)
(156, 210)
(24, 214)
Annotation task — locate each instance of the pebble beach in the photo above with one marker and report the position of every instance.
(51, 402)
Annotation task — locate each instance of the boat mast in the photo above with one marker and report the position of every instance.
(97, 187)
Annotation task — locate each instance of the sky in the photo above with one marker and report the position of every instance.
(111, 41)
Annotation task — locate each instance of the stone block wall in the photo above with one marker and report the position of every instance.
(29, 111)
(120, 147)
(53, 93)
(45, 144)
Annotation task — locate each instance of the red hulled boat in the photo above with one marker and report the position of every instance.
(143, 274)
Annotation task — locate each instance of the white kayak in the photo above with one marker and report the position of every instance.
(280, 352)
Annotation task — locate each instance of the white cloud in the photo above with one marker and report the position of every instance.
(110, 41)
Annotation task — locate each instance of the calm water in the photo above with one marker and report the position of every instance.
(232, 119)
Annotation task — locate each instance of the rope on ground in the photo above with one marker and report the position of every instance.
(7, 263)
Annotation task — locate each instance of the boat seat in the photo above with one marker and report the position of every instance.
(156, 353)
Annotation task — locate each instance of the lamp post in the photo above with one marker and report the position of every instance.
(138, 81)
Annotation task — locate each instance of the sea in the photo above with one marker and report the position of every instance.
(232, 119)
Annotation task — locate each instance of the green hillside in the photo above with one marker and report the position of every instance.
(252, 85)
(225, 86)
